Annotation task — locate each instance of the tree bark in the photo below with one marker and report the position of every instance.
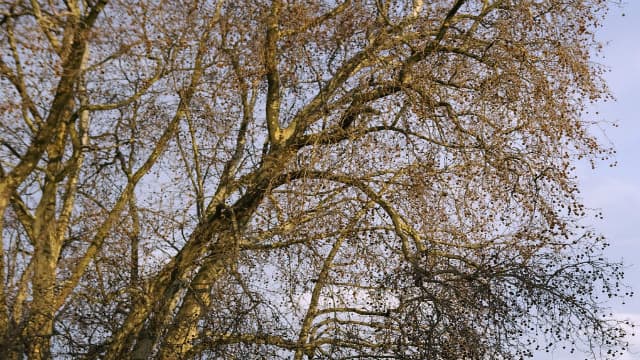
(184, 330)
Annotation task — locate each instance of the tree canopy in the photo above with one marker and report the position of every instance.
(300, 179)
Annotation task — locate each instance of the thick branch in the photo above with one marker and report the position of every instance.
(273, 75)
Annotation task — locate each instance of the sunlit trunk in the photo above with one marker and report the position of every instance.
(5, 340)
(184, 330)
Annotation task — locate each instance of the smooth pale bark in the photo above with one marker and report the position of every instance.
(164, 287)
(4, 311)
(46, 238)
(184, 330)
(47, 244)
(161, 291)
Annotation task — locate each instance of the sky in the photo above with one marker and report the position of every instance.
(616, 190)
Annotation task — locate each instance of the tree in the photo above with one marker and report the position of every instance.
(306, 179)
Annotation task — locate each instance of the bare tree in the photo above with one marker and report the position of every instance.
(299, 179)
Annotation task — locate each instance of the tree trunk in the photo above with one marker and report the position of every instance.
(184, 330)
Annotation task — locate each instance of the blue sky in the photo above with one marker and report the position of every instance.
(616, 191)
